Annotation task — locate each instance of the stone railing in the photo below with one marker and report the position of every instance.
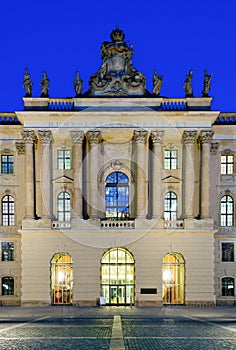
(60, 104)
(178, 104)
(59, 225)
(117, 224)
(179, 224)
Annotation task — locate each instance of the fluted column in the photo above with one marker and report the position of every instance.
(29, 138)
(46, 138)
(140, 137)
(156, 136)
(94, 138)
(205, 139)
(189, 138)
(77, 137)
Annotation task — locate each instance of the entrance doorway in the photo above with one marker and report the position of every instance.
(117, 277)
(61, 279)
(173, 279)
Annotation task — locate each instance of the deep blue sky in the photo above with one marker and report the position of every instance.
(172, 36)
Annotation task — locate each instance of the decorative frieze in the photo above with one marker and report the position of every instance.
(189, 136)
(77, 136)
(206, 136)
(45, 136)
(20, 146)
(157, 136)
(94, 136)
(140, 136)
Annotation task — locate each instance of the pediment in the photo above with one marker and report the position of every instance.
(63, 180)
(171, 179)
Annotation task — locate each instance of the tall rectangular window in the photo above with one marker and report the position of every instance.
(227, 164)
(63, 159)
(7, 251)
(7, 164)
(170, 159)
(227, 251)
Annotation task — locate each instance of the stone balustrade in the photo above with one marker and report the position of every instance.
(117, 224)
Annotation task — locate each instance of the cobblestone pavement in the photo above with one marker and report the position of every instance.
(82, 328)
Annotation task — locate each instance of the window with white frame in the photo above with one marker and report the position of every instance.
(63, 207)
(227, 251)
(7, 251)
(226, 211)
(227, 164)
(7, 164)
(170, 207)
(8, 211)
(63, 159)
(227, 286)
(170, 159)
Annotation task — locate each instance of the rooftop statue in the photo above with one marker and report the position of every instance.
(206, 84)
(45, 85)
(117, 76)
(188, 84)
(27, 84)
(157, 83)
(78, 84)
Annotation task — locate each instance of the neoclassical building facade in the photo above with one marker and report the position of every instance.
(117, 193)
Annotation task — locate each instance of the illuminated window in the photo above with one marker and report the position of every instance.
(7, 251)
(8, 211)
(227, 251)
(117, 196)
(7, 285)
(62, 279)
(227, 285)
(63, 207)
(173, 271)
(170, 159)
(170, 207)
(63, 159)
(7, 164)
(226, 211)
(227, 164)
(117, 279)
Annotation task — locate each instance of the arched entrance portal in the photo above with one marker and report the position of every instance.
(61, 279)
(117, 277)
(173, 268)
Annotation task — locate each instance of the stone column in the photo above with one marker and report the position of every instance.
(140, 137)
(205, 139)
(94, 138)
(46, 138)
(77, 137)
(157, 136)
(189, 138)
(29, 138)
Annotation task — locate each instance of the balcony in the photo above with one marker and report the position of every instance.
(61, 225)
(117, 224)
(178, 224)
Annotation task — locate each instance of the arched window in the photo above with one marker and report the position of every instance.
(117, 196)
(7, 285)
(173, 270)
(117, 277)
(62, 279)
(63, 207)
(227, 285)
(8, 211)
(226, 211)
(170, 207)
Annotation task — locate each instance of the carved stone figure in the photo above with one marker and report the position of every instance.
(78, 84)
(117, 76)
(45, 85)
(188, 84)
(157, 83)
(206, 83)
(27, 84)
